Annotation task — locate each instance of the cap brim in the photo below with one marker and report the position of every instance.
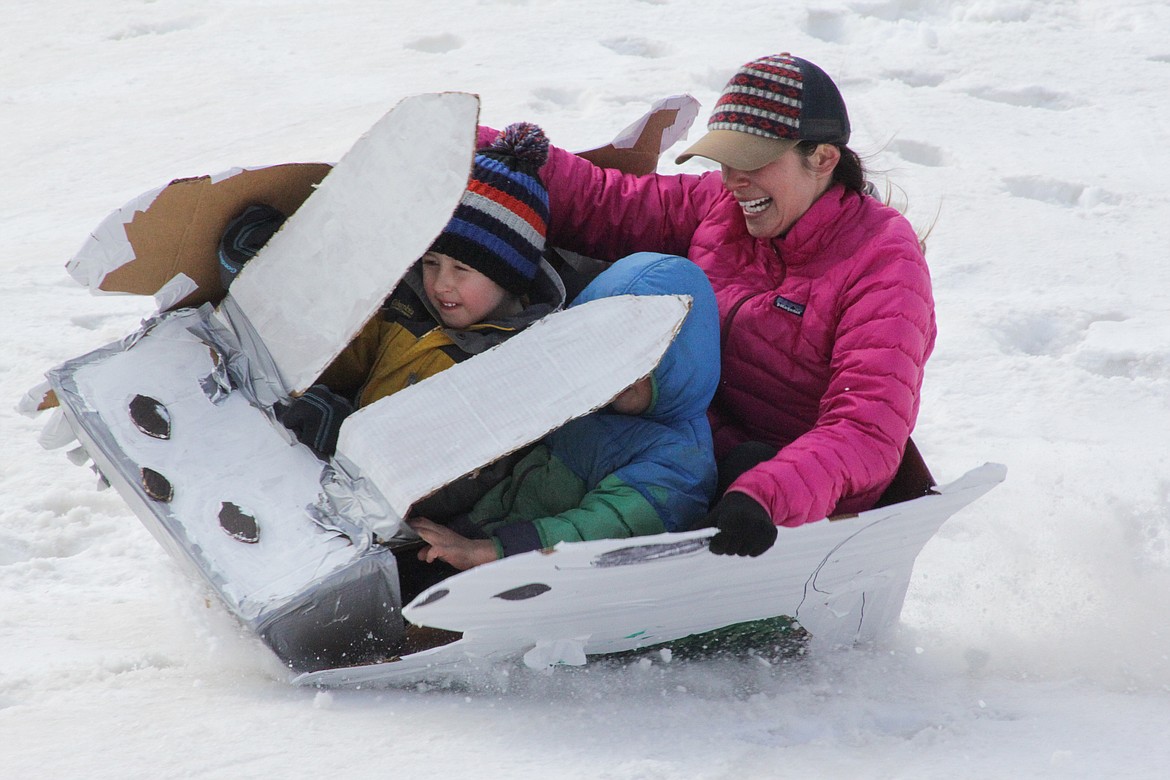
(742, 151)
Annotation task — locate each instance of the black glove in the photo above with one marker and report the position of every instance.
(315, 418)
(244, 236)
(745, 527)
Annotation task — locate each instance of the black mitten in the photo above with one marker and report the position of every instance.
(315, 418)
(244, 236)
(745, 527)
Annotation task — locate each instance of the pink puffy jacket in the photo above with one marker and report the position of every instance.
(825, 331)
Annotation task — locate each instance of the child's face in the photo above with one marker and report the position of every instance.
(462, 295)
(635, 399)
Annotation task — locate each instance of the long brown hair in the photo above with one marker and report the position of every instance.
(850, 173)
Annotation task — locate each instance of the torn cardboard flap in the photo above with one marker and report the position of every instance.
(141, 247)
(37, 400)
(636, 149)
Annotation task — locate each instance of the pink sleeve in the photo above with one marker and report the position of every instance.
(607, 215)
(484, 136)
(884, 335)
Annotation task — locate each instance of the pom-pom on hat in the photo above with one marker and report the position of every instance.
(500, 225)
(769, 105)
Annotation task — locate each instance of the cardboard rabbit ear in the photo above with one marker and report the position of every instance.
(170, 236)
(164, 242)
(637, 148)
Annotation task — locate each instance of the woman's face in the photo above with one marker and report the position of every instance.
(773, 197)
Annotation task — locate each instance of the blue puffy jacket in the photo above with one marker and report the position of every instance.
(610, 475)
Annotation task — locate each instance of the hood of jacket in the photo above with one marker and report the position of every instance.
(688, 374)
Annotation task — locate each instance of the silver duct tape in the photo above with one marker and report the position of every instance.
(217, 385)
(355, 498)
(242, 353)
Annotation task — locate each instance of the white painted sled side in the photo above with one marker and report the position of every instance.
(844, 580)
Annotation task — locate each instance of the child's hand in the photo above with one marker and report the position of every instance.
(315, 418)
(447, 545)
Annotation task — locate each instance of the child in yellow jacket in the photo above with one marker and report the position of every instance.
(483, 280)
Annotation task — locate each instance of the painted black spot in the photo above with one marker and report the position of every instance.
(156, 485)
(529, 591)
(150, 416)
(238, 523)
(431, 599)
(645, 553)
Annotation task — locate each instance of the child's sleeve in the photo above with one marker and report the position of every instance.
(348, 371)
(612, 510)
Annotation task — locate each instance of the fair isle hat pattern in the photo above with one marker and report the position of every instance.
(500, 225)
(768, 106)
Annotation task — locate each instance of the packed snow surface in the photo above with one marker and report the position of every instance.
(1026, 137)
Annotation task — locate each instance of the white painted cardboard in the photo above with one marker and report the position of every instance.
(687, 109)
(844, 580)
(228, 451)
(313, 557)
(292, 293)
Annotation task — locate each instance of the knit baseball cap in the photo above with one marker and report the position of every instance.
(768, 106)
(500, 225)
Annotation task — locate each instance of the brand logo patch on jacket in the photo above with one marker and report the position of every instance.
(792, 307)
(397, 307)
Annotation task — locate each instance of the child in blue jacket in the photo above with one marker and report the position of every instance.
(643, 465)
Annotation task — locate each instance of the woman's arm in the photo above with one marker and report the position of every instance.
(606, 214)
(884, 335)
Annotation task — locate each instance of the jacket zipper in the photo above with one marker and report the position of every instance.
(730, 319)
(735, 309)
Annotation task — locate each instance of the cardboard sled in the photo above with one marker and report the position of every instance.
(288, 542)
(177, 417)
(844, 580)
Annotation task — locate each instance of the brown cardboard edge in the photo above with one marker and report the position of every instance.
(180, 231)
(642, 157)
(48, 401)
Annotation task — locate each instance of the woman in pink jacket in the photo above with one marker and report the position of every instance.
(825, 304)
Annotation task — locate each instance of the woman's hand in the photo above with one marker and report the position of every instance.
(447, 545)
(745, 527)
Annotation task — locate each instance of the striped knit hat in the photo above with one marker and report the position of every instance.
(768, 106)
(500, 224)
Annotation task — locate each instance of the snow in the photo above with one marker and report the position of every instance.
(1026, 136)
